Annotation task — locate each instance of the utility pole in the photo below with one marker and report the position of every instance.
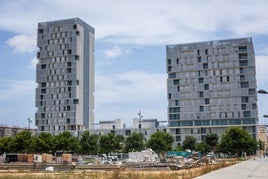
(140, 116)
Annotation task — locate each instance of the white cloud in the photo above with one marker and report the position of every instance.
(22, 43)
(261, 70)
(125, 93)
(262, 83)
(11, 90)
(144, 22)
(116, 51)
(33, 63)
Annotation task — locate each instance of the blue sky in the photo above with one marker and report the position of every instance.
(130, 73)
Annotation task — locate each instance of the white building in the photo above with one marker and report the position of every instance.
(65, 76)
(211, 86)
(115, 124)
(148, 127)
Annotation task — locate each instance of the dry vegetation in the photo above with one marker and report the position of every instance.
(117, 174)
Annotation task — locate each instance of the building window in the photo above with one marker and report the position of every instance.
(251, 91)
(254, 106)
(178, 88)
(178, 60)
(178, 138)
(244, 99)
(176, 102)
(205, 65)
(206, 100)
(174, 110)
(174, 116)
(198, 59)
(69, 51)
(228, 78)
(169, 95)
(201, 80)
(201, 94)
(243, 106)
(203, 130)
(127, 132)
(242, 48)
(201, 108)
(241, 70)
(75, 101)
(206, 86)
(243, 56)
(246, 113)
(43, 66)
(178, 131)
(169, 61)
(43, 85)
(244, 85)
(242, 78)
(243, 63)
(40, 31)
(69, 70)
(206, 51)
(68, 120)
(172, 75)
(176, 82)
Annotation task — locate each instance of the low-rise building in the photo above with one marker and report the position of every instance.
(148, 127)
(6, 131)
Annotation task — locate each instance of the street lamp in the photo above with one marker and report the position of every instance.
(262, 91)
(29, 123)
(140, 116)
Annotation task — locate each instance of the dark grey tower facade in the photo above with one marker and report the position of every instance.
(65, 76)
(211, 86)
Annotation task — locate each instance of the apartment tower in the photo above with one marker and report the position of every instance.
(65, 76)
(211, 86)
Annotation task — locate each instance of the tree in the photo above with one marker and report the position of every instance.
(5, 144)
(89, 143)
(120, 143)
(43, 143)
(65, 142)
(22, 142)
(160, 142)
(203, 147)
(237, 140)
(212, 141)
(190, 142)
(179, 147)
(108, 143)
(134, 142)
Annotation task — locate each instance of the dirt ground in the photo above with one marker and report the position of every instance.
(115, 174)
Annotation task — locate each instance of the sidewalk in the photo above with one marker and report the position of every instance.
(257, 168)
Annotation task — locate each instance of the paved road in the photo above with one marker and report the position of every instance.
(248, 169)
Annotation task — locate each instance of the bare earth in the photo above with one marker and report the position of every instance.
(116, 174)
